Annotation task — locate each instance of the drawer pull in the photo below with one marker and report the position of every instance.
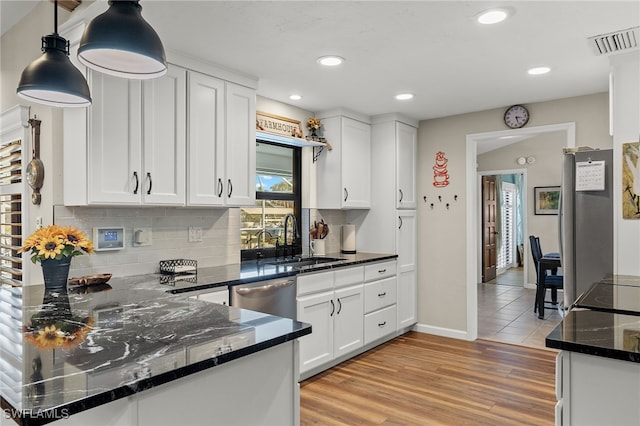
(382, 324)
(382, 271)
(382, 294)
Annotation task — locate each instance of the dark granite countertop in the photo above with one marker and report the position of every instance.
(258, 270)
(113, 340)
(131, 334)
(604, 322)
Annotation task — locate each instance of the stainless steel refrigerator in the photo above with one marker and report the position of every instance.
(586, 220)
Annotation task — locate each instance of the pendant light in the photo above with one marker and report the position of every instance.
(52, 79)
(120, 42)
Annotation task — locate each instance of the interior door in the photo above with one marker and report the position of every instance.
(489, 234)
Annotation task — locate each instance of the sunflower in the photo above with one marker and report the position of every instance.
(49, 247)
(48, 338)
(71, 235)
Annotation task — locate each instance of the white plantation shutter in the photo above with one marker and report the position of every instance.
(14, 134)
(508, 210)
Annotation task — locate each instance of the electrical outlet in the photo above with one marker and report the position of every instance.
(38, 222)
(195, 234)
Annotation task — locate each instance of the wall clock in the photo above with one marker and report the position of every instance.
(35, 168)
(516, 116)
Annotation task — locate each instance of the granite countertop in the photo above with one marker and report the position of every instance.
(258, 270)
(116, 339)
(604, 322)
(131, 334)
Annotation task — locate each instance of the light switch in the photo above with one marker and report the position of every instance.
(142, 237)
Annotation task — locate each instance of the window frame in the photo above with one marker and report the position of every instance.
(295, 196)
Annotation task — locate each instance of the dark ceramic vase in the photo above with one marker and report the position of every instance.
(56, 272)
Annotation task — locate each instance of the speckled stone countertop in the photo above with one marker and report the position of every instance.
(604, 322)
(90, 345)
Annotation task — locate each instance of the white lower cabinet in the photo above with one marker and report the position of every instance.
(348, 309)
(335, 314)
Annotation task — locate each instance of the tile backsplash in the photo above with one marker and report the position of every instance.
(169, 226)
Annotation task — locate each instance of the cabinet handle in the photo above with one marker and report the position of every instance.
(150, 183)
(230, 188)
(382, 324)
(339, 307)
(220, 187)
(135, 175)
(382, 294)
(333, 308)
(382, 271)
(346, 194)
(400, 219)
(401, 195)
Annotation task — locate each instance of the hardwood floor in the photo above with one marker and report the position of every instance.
(421, 379)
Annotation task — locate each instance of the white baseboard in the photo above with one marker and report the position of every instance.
(440, 331)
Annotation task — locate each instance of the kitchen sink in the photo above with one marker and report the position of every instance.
(304, 261)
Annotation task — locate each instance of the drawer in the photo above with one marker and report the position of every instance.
(315, 282)
(380, 270)
(348, 276)
(379, 294)
(379, 324)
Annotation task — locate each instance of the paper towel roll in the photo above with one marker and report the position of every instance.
(348, 239)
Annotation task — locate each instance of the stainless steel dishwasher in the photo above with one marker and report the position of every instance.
(275, 297)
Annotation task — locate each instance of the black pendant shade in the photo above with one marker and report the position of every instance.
(52, 79)
(121, 43)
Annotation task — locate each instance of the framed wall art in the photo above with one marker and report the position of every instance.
(546, 199)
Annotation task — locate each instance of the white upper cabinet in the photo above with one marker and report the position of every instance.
(206, 140)
(164, 138)
(240, 148)
(344, 173)
(406, 152)
(221, 142)
(136, 140)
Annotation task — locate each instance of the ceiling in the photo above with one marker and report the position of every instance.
(434, 49)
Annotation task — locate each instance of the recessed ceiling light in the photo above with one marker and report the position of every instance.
(330, 61)
(538, 70)
(492, 16)
(295, 97)
(404, 96)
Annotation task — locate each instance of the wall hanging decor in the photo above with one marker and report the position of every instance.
(440, 173)
(546, 199)
(631, 180)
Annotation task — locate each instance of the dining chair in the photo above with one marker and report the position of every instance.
(546, 276)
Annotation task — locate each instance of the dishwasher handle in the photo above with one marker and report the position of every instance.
(265, 289)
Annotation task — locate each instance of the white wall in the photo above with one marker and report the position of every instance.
(442, 293)
(625, 70)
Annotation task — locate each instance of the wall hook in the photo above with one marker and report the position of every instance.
(455, 198)
(425, 198)
(447, 206)
(431, 206)
(440, 198)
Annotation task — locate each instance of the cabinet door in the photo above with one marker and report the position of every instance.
(240, 147)
(165, 138)
(115, 140)
(205, 148)
(406, 152)
(316, 348)
(407, 299)
(356, 164)
(349, 320)
(406, 243)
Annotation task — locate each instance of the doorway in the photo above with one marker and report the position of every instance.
(568, 130)
(503, 225)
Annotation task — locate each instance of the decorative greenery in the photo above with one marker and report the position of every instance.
(56, 242)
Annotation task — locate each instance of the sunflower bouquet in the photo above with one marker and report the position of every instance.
(49, 333)
(56, 242)
(313, 123)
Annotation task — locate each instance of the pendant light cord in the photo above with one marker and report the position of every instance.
(55, 17)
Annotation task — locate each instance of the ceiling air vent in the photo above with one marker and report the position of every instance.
(615, 42)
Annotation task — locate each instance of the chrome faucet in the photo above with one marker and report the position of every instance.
(294, 238)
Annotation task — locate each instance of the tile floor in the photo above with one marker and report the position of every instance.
(505, 314)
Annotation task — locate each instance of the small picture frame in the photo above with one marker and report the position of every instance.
(546, 200)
